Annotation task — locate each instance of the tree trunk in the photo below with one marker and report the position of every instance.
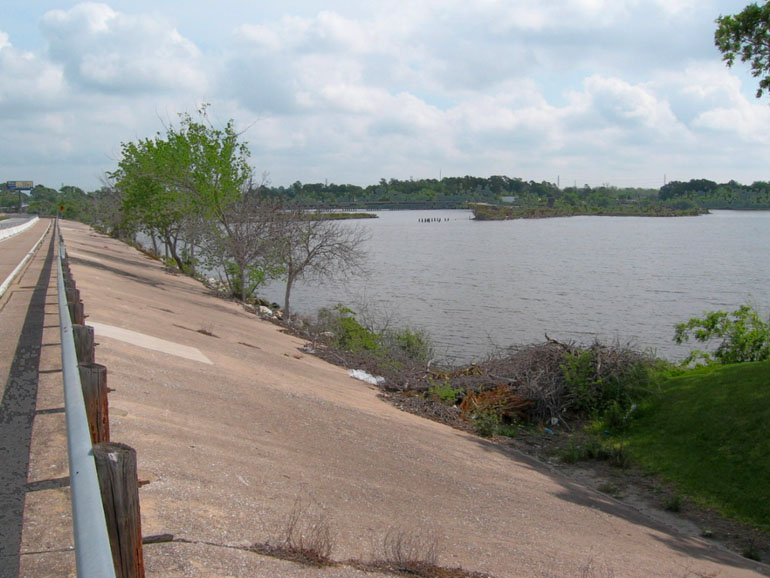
(286, 295)
(243, 283)
(170, 243)
(192, 259)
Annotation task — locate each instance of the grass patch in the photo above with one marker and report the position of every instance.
(610, 489)
(708, 433)
(611, 451)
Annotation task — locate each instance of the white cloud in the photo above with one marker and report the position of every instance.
(105, 50)
(627, 106)
(27, 83)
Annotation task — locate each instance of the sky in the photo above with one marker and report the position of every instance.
(630, 93)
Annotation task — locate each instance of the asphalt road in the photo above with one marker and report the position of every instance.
(21, 330)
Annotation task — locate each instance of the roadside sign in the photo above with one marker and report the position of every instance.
(19, 185)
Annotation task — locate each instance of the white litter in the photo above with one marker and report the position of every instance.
(367, 377)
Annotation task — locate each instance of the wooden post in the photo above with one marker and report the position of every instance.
(78, 314)
(65, 266)
(83, 335)
(116, 468)
(75, 306)
(93, 379)
(73, 295)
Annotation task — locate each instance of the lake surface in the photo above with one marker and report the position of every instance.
(478, 286)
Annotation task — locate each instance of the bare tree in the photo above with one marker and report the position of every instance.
(315, 248)
(244, 241)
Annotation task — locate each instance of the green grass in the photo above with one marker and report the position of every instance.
(709, 432)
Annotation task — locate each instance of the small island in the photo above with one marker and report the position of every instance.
(340, 216)
(489, 212)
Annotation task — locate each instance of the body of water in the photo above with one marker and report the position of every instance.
(478, 286)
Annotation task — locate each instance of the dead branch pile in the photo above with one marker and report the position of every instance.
(502, 402)
(539, 382)
(547, 380)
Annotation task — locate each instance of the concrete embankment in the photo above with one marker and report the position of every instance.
(236, 428)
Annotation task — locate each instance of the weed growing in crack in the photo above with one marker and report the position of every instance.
(305, 539)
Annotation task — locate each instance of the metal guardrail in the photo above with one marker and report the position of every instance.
(93, 554)
(11, 231)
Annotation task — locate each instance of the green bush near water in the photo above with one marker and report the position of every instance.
(744, 336)
(389, 349)
(347, 334)
(605, 383)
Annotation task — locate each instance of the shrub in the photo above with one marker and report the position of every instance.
(401, 356)
(604, 381)
(446, 392)
(347, 333)
(486, 423)
(673, 503)
(745, 335)
(414, 344)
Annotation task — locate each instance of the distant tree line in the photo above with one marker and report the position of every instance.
(449, 192)
(712, 195)
(456, 192)
(107, 206)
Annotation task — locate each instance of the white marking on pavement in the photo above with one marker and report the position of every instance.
(149, 342)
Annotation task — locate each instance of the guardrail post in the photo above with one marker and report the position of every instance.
(116, 469)
(75, 305)
(83, 335)
(93, 380)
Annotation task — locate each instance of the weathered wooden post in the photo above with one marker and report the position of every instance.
(65, 267)
(83, 335)
(116, 468)
(93, 380)
(75, 306)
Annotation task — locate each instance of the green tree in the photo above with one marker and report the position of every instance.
(191, 175)
(744, 335)
(747, 35)
(43, 201)
(10, 199)
(151, 201)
